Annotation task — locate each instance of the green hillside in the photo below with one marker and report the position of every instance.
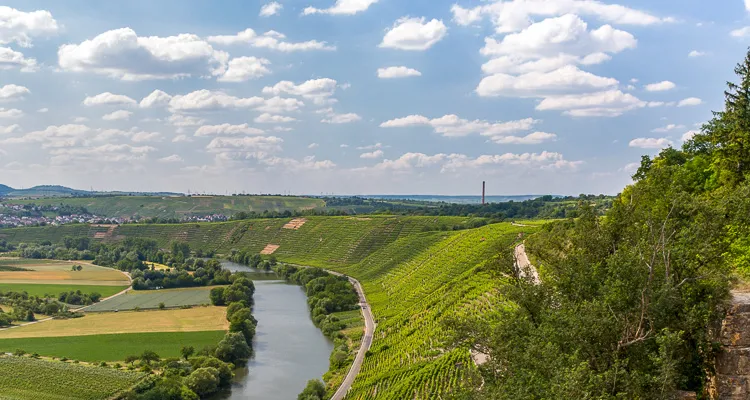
(176, 207)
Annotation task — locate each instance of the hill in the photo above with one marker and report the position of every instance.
(63, 191)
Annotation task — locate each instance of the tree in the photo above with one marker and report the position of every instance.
(233, 348)
(217, 296)
(149, 356)
(203, 381)
(131, 359)
(315, 390)
(187, 351)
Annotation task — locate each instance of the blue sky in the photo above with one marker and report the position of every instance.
(356, 96)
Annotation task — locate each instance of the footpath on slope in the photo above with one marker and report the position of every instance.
(366, 339)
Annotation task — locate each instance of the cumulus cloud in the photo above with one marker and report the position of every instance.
(242, 69)
(157, 98)
(532, 138)
(341, 118)
(610, 103)
(140, 137)
(318, 90)
(118, 115)
(660, 86)
(690, 101)
(313, 146)
(278, 105)
(52, 136)
(211, 100)
(371, 147)
(106, 153)
(182, 121)
(10, 113)
(515, 15)
(696, 53)
(267, 118)
(13, 92)
(182, 139)
(265, 144)
(109, 99)
(174, 158)
(11, 59)
(414, 34)
(453, 126)
(741, 32)
(227, 129)
(6, 130)
(650, 143)
(43, 110)
(20, 27)
(456, 162)
(272, 8)
(122, 54)
(536, 84)
(342, 7)
(270, 40)
(668, 128)
(397, 72)
(688, 135)
(372, 155)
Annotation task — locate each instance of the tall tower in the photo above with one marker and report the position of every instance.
(484, 186)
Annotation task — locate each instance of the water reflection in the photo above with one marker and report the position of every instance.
(289, 349)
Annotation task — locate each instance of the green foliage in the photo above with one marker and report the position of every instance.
(203, 381)
(315, 390)
(233, 348)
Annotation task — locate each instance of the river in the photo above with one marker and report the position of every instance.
(289, 349)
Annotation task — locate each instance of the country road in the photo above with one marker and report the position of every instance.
(524, 265)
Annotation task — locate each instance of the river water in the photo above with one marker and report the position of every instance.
(289, 349)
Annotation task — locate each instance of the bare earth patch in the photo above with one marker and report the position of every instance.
(270, 249)
(295, 223)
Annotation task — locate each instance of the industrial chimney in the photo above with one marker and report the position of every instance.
(484, 185)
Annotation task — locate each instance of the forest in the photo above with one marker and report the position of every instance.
(629, 302)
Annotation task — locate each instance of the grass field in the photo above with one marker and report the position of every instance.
(152, 298)
(54, 290)
(178, 320)
(24, 378)
(93, 348)
(176, 207)
(59, 272)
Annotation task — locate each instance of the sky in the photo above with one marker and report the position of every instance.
(356, 96)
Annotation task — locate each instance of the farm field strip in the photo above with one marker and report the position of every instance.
(28, 378)
(152, 299)
(179, 320)
(95, 348)
(54, 289)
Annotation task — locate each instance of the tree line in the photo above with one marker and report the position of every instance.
(26, 307)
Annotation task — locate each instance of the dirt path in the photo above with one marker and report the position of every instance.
(524, 265)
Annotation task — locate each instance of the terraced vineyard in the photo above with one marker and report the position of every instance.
(412, 286)
(28, 378)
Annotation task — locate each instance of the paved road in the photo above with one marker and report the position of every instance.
(363, 348)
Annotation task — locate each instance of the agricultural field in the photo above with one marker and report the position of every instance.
(176, 207)
(150, 299)
(412, 285)
(45, 290)
(27, 378)
(178, 320)
(59, 272)
(95, 348)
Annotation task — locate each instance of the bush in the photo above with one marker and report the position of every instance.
(203, 381)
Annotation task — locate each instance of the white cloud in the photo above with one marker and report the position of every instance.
(52, 136)
(660, 86)
(515, 15)
(282, 129)
(182, 139)
(696, 53)
(318, 90)
(107, 153)
(341, 118)
(344, 146)
(265, 144)
(270, 40)
(611, 103)
(278, 105)
(157, 98)
(272, 8)
(533, 84)
(747, 5)
(174, 158)
(117, 115)
(741, 32)
(13, 92)
(211, 100)
(342, 7)
(227, 129)
(245, 68)
(690, 101)
(19, 27)
(78, 120)
(313, 146)
(532, 138)
(267, 118)
(650, 143)
(308, 163)
(371, 147)
(5, 130)
(140, 137)
(108, 98)
(688, 135)
(42, 110)
(10, 113)
(414, 34)
(453, 126)
(10, 59)
(411, 160)
(397, 72)
(122, 54)
(372, 155)
(185, 121)
(668, 128)
(543, 160)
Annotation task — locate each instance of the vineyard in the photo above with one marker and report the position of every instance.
(153, 299)
(412, 286)
(28, 378)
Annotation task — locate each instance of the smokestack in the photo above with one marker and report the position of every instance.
(484, 185)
